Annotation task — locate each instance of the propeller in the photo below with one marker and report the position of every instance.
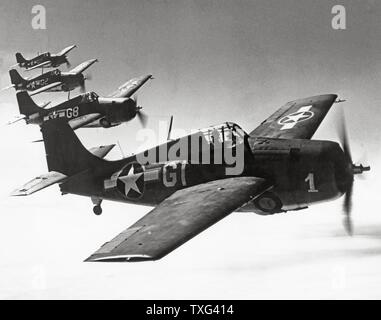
(82, 87)
(352, 169)
(143, 118)
(68, 64)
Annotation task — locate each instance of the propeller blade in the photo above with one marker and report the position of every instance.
(347, 206)
(143, 118)
(82, 87)
(68, 64)
(343, 136)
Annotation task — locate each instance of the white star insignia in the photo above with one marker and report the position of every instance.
(130, 181)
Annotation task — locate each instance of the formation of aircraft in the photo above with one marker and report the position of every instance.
(44, 60)
(88, 110)
(52, 81)
(197, 180)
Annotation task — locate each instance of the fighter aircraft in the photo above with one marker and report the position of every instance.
(276, 168)
(44, 60)
(51, 81)
(88, 110)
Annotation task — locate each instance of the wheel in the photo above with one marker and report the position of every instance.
(97, 210)
(105, 123)
(268, 203)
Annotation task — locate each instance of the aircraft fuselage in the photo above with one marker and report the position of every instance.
(302, 172)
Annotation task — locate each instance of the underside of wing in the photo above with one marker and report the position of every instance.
(39, 183)
(84, 120)
(46, 88)
(179, 218)
(66, 50)
(83, 66)
(127, 89)
(41, 65)
(297, 119)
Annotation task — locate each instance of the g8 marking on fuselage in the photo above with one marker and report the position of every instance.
(68, 113)
(72, 112)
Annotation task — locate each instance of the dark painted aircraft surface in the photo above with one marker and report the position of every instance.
(52, 81)
(279, 169)
(44, 60)
(88, 110)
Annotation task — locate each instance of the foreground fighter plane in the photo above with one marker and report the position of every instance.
(54, 80)
(44, 60)
(276, 168)
(87, 110)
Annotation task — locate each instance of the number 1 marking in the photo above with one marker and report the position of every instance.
(311, 179)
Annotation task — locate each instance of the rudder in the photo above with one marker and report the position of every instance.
(16, 78)
(26, 105)
(20, 58)
(64, 151)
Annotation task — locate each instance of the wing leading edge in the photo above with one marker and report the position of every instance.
(179, 218)
(298, 119)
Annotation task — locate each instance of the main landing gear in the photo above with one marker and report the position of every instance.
(97, 209)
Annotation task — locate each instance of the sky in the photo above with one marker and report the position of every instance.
(213, 61)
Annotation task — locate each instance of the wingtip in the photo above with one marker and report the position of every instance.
(17, 193)
(119, 258)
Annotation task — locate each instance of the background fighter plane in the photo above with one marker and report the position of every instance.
(283, 170)
(54, 80)
(88, 110)
(44, 60)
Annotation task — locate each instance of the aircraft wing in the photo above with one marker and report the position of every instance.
(66, 50)
(84, 120)
(83, 66)
(297, 119)
(41, 65)
(127, 89)
(39, 183)
(179, 218)
(46, 88)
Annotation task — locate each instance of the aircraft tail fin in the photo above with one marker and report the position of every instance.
(26, 105)
(64, 151)
(20, 58)
(16, 78)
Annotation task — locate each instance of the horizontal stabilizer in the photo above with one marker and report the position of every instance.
(39, 183)
(6, 88)
(16, 119)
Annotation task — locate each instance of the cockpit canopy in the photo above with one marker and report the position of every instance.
(89, 97)
(225, 132)
(54, 73)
